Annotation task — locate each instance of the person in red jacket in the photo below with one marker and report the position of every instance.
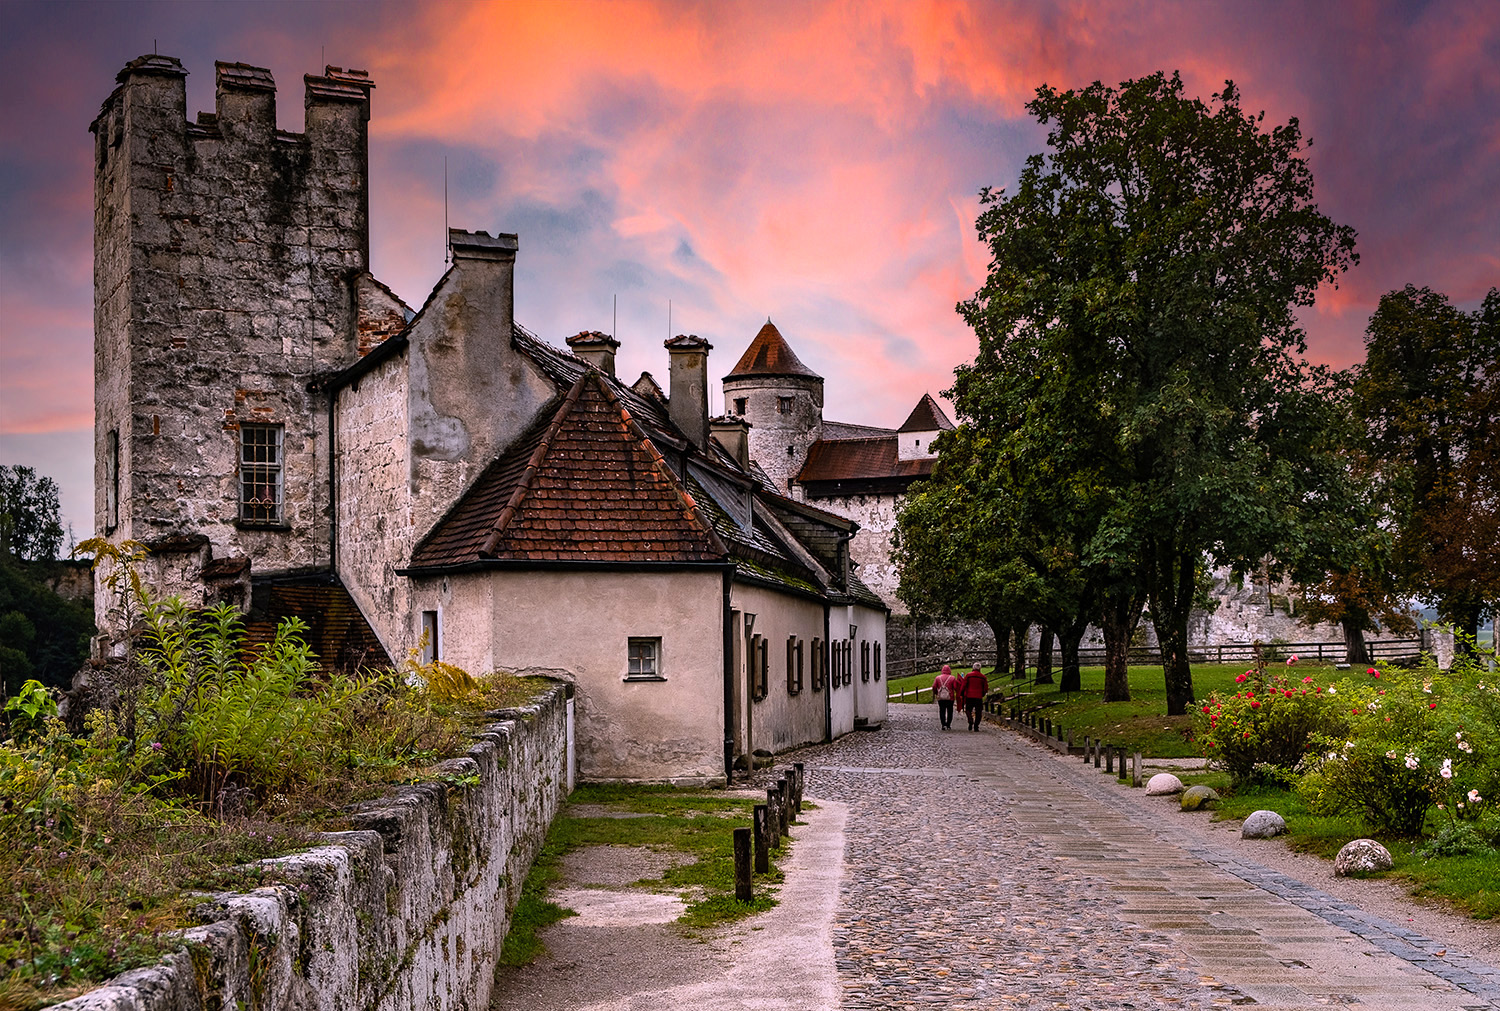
(976, 687)
(946, 688)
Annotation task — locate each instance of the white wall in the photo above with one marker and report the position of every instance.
(781, 720)
(574, 624)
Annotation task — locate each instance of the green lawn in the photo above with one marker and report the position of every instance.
(1142, 724)
(693, 822)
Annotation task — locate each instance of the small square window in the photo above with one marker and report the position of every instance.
(783, 405)
(644, 660)
(739, 405)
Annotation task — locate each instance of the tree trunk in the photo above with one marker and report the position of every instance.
(1044, 657)
(1464, 617)
(1069, 639)
(1002, 646)
(1023, 632)
(1172, 595)
(1122, 612)
(1355, 652)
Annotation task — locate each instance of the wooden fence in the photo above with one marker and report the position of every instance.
(1235, 652)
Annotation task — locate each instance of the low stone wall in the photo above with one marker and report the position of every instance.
(408, 910)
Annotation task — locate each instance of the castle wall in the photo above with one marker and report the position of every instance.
(224, 255)
(871, 545)
(373, 500)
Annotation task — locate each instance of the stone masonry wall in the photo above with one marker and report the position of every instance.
(409, 910)
(225, 255)
(871, 546)
(374, 500)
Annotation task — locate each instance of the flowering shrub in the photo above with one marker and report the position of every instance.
(1262, 731)
(1410, 739)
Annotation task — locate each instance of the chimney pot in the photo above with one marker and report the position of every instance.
(596, 348)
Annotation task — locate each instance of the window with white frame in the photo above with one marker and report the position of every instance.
(643, 659)
(261, 473)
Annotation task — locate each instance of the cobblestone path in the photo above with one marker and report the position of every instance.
(981, 871)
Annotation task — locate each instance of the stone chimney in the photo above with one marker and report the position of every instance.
(486, 265)
(733, 435)
(687, 396)
(598, 349)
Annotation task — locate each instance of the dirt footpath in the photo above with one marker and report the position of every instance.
(623, 952)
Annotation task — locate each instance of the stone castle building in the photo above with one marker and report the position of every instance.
(856, 471)
(286, 434)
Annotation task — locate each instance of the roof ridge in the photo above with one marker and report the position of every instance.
(689, 504)
(508, 511)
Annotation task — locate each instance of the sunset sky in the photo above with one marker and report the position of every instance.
(815, 163)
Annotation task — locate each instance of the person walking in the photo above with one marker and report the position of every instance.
(975, 687)
(946, 688)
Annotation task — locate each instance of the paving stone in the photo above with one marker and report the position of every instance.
(982, 871)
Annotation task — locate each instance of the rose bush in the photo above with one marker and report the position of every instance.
(1263, 731)
(1406, 740)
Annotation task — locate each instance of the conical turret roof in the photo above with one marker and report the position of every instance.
(770, 355)
(927, 416)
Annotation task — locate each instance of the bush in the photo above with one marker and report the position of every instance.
(1262, 732)
(1410, 739)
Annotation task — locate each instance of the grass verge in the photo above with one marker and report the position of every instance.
(692, 822)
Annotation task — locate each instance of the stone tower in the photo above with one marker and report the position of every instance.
(229, 261)
(782, 399)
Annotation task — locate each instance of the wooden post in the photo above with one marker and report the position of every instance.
(742, 886)
(762, 839)
(1123, 771)
(1070, 739)
(1135, 777)
(773, 820)
(786, 804)
(1097, 756)
(1109, 758)
(800, 770)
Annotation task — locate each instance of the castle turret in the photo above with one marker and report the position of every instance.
(782, 399)
(226, 255)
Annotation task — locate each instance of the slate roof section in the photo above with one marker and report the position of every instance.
(845, 430)
(927, 416)
(337, 631)
(770, 355)
(588, 486)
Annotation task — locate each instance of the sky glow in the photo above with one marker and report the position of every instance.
(815, 163)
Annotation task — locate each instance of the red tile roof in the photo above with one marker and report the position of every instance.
(859, 460)
(585, 485)
(770, 355)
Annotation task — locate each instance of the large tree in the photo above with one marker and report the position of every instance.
(1429, 391)
(1146, 275)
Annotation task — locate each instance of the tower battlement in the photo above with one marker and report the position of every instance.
(228, 258)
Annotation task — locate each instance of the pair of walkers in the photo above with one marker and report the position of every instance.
(948, 688)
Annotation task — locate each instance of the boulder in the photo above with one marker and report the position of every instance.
(1263, 825)
(1196, 798)
(1362, 856)
(1163, 784)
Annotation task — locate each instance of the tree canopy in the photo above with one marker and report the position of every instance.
(30, 528)
(1138, 336)
(1429, 394)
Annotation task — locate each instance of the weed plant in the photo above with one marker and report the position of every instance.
(209, 757)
